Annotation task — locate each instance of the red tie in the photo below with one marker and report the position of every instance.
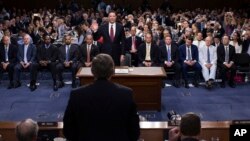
(88, 53)
(112, 33)
(134, 45)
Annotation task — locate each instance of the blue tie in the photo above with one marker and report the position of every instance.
(189, 54)
(208, 56)
(67, 53)
(169, 54)
(6, 54)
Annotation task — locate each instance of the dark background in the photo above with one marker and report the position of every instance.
(177, 4)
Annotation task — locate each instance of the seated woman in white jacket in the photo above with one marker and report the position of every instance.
(208, 61)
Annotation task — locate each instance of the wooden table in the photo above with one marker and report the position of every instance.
(150, 131)
(146, 83)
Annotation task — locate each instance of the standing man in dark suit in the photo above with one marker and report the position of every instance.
(189, 59)
(27, 60)
(169, 59)
(47, 56)
(225, 61)
(68, 59)
(113, 38)
(131, 46)
(8, 54)
(88, 51)
(148, 52)
(101, 110)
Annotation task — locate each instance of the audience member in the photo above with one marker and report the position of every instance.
(188, 130)
(101, 110)
(27, 130)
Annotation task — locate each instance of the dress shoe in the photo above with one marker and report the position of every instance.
(196, 84)
(73, 85)
(17, 84)
(232, 84)
(55, 87)
(33, 87)
(11, 85)
(176, 84)
(186, 84)
(222, 85)
(61, 84)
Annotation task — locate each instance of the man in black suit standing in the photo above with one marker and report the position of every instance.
(88, 51)
(169, 59)
(47, 56)
(131, 46)
(113, 38)
(8, 53)
(68, 59)
(225, 61)
(27, 60)
(101, 110)
(148, 52)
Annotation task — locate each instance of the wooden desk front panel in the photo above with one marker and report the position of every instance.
(147, 90)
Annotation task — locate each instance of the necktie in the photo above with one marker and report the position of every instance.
(189, 54)
(208, 56)
(67, 53)
(88, 53)
(226, 55)
(6, 54)
(25, 54)
(112, 33)
(199, 43)
(133, 43)
(169, 54)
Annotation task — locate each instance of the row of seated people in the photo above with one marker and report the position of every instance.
(28, 57)
(168, 55)
(188, 56)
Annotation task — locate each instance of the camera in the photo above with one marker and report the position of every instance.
(174, 118)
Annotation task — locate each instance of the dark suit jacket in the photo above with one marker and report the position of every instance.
(163, 55)
(31, 53)
(221, 54)
(128, 43)
(245, 46)
(83, 52)
(194, 52)
(12, 53)
(101, 111)
(154, 51)
(115, 48)
(50, 54)
(73, 53)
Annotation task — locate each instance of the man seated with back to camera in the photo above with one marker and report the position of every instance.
(27, 130)
(188, 130)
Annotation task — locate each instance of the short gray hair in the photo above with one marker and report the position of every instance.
(102, 66)
(26, 130)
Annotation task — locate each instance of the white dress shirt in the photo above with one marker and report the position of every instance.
(25, 59)
(114, 28)
(148, 49)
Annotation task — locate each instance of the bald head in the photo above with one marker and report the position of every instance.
(6, 40)
(27, 130)
(26, 39)
(208, 41)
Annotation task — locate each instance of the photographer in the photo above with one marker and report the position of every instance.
(188, 130)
